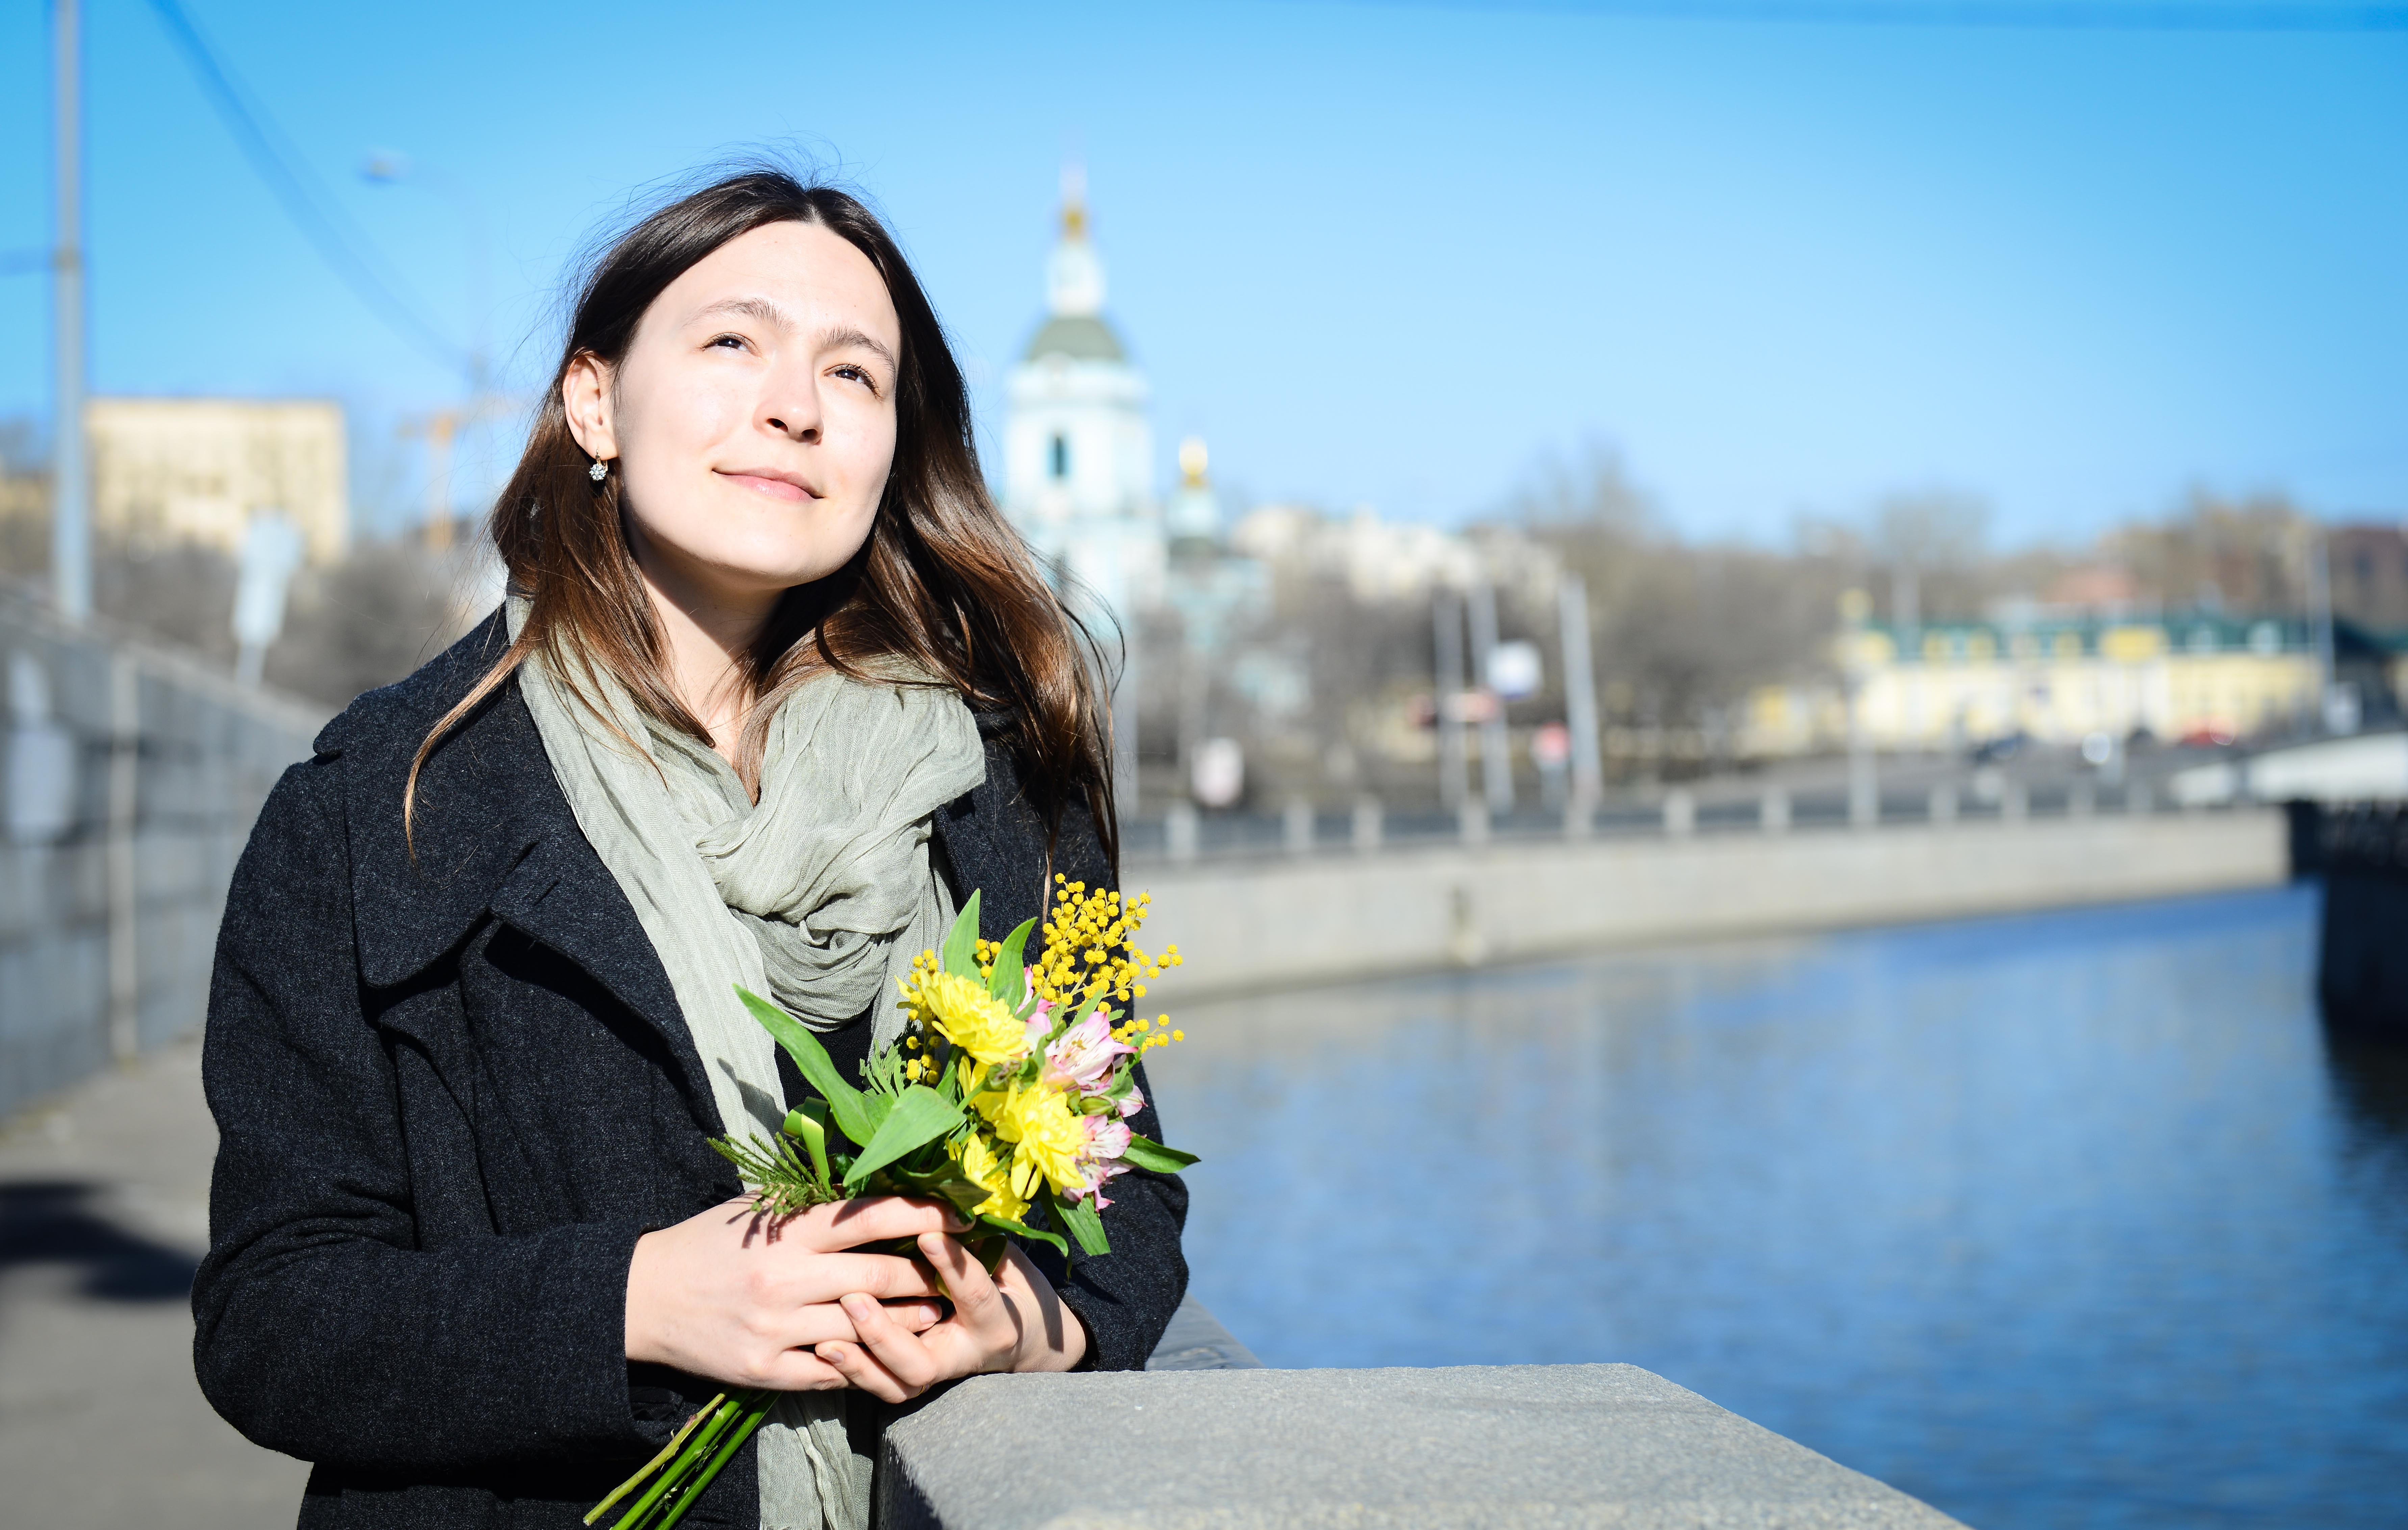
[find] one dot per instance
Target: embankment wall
(1264, 922)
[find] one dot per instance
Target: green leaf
(1040, 1234)
(941, 1185)
(1009, 980)
(809, 1125)
(845, 1102)
(1144, 1152)
(960, 956)
(919, 1116)
(1079, 1219)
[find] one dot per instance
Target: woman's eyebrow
(750, 308)
(837, 339)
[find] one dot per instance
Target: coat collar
(492, 834)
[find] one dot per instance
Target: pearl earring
(599, 471)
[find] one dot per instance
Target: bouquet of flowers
(1008, 1094)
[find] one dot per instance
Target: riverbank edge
(1262, 925)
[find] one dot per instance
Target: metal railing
(1368, 826)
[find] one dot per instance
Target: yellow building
(1944, 685)
(167, 471)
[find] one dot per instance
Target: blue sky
(1373, 253)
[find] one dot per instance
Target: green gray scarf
(818, 897)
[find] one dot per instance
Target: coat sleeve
(323, 1330)
(1126, 1299)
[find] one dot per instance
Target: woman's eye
(858, 374)
(735, 342)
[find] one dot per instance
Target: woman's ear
(585, 397)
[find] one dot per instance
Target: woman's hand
(726, 1296)
(1012, 1322)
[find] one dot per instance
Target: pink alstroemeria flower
(1086, 1056)
(1132, 1102)
(1041, 1020)
(1099, 1160)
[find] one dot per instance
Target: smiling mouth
(773, 485)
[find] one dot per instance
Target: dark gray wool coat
(452, 1096)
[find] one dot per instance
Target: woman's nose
(791, 408)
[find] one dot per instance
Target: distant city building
(1381, 560)
(1213, 592)
(197, 470)
(1078, 450)
(2369, 567)
(2202, 676)
(1194, 519)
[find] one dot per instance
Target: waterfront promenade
(103, 1215)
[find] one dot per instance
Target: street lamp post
(70, 469)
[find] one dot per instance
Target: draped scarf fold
(819, 895)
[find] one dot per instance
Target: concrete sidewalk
(104, 1196)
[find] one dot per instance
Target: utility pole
(440, 428)
(70, 482)
(1579, 690)
(1453, 772)
(2320, 624)
(1495, 762)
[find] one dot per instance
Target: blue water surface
(2064, 1220)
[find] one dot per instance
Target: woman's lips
(771, 485)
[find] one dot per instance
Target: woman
(776, 689)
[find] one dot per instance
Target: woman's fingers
(915, 1316)
(801, 1370)
(875, 1219)
(979, 1309)
(829, 1276)
(902, 1354)
(823, 1321)
(862, 1370)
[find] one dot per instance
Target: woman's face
(754, 415)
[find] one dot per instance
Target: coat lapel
(492, 836)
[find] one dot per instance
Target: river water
(2064, 1220)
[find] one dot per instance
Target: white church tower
(1078, 452)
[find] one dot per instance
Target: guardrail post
(1772, 810)
(1471, 820)
(1368, 824)
(1179, 831)
(1580, 815)
(124, 783)
(1295, 826)
(1864, 796)
(1679, 813)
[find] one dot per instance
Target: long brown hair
(943, 580)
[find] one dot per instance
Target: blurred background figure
(1552, 488)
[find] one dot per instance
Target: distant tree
(2243, 555)
(180, 593)
(1931, 545)
(1683, 632)
(366, 621)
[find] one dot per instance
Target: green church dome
(1079, 337)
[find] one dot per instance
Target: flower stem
(734, 1442)
(656, 1463)
(695, 1447)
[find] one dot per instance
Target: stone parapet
(1255, 925)
(1297, 1449)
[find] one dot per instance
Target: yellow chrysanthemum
(1045, 1134)
(981, 1024)
(980, 1167)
